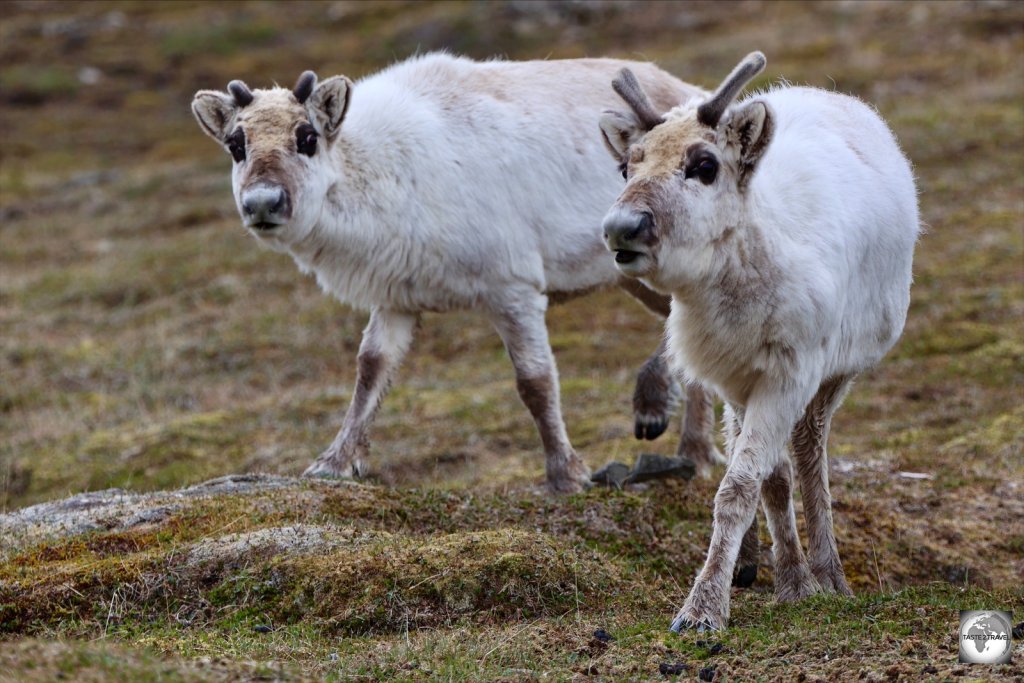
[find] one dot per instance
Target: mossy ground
(148, 344)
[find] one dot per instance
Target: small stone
(263, 628)
(929, 670)
(1018, 630)
(603, 635)
(613, 474)
(667, 669)
(652, 466)
(716, 648)
(707, 673)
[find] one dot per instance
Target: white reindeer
(438, 184)
(784, 227)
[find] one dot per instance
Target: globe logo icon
(985, 637)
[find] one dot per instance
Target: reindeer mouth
(625, 256)
(264, 226)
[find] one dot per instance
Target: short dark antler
(304, 86)
(240, 91)
(628, 88)
(710, 113)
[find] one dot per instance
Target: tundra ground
(149, 344)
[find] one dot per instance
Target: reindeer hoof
(744, 577)
(650, 427)
(681, 623)
(655, 399)
(328, 468)
(568, 485)
(567, 473)
(833, 581)
(702, 452)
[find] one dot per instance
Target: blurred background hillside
(148, 342)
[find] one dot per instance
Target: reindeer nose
(623, 227)
(265, 206)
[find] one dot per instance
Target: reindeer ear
(328, 104)
(215, 112)
(751, 128)
(620, 131)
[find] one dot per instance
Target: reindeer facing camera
(783, 226)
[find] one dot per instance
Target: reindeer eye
(305, 139)
(704, 168)
(624, 170)
(236, 145)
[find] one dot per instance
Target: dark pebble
(716, 648)
(929, 670)
(262, 628)
(666, 669)
(1018, 630)
(707, 673)
(701, 643)
(603, 635)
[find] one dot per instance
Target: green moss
(219, 39)
(956, 337)
(166, 455)
(995, 446)
(36, 85)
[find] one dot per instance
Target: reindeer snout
(266, 206)
(630, 234)
(624, 228)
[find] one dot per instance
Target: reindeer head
(278, 139)
(687, 174)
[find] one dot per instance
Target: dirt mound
(115, 556)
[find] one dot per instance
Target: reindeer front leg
(521, 326)
(759, 451)
(386, 340)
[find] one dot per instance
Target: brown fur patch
(664, 148)
(269, 123)
(538, 395)
(368, 369)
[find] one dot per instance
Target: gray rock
(612, 474)
(652, 466)
(119, 510)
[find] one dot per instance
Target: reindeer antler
(304, 86)
(240, 91)
(628, 88)
(710, 113)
